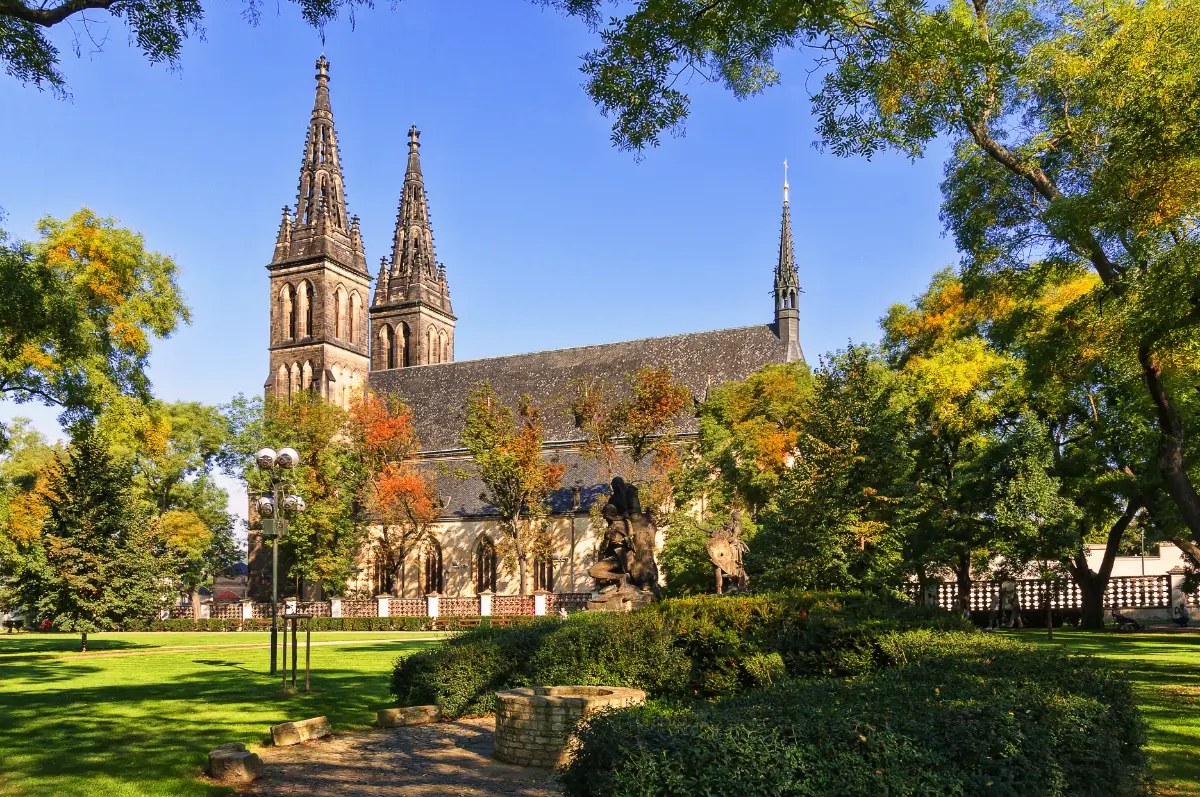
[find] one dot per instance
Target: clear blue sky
(550, 236)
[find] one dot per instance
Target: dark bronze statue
(626, 570)
(727, 551)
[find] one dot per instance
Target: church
(332, 335)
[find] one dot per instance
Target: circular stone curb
(535, 725)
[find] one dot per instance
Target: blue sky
(550, 236)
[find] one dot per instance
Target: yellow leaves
(184, 531)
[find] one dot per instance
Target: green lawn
(1165, 668)
(141, 724)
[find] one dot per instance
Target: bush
(703, 646)
(957, 714)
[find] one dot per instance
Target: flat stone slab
(408, 715)
(301, 731)
(445, 759)
(233, 763)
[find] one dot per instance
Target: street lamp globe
(265, 507)
(294, 503)
(288, 458)
(265, 458)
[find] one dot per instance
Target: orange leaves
(657, 398)
(401, 494)
(383, 428)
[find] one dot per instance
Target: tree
(1073, 126)
(397, 493)
(506, 449)
(24, 467)
(77, 313)
(834, 520)
(159, 29)
(94, 564)
(635, 428)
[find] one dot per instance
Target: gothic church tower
(787, 284)
(319, 277)
(412, 322)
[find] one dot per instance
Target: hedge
(955, 714)
(681, 647)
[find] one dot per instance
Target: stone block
(233, 763)
(409, 715)
(296, 732)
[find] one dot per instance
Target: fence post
(205, 610)
(382, 602)
(539, 604)
(248, 609)
(335, 607)
(1175, 595)
(485, 604)
(431, 605)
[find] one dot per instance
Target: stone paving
(447, 758)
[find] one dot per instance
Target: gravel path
(447, 758)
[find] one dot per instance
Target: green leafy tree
(1073, 128)
(95, 563)
(835, 519)
(78, 311)
(506, 453)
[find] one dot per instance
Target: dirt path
(448, 758)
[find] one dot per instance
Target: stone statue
(727, 551)
(626, 570)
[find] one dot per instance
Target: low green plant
(954, 714)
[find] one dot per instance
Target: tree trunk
(83, 642)
(521, 574)
(195, 596)
(963, 575)
(1093, 584)
(1170, 443)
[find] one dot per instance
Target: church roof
(700, 360)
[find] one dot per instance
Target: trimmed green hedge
(955, 714)
(704, 646)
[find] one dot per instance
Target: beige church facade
(331, 334)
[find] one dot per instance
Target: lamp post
(274, 519)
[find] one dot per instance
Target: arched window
(429, 353)
(281, 382)
(355, 306)
(339, 313)
(387, 348)
(443, 352)
(485, 566)
(383, 576)
(294, 385)
(305, 299)
(431, 572)
(406, 344)
(287, 312)
(306, 376)
(543, 573)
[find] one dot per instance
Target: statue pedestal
(621, 599)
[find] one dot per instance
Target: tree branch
(47, 17)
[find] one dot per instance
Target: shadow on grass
(18, 644)
(147, 736)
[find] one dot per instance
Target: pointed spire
(414, 273)
(322, 225)
(787, 282)
(381, 282)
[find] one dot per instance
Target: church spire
(322, 225)
(414, 272)
(787, 282)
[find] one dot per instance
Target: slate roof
(700, 360)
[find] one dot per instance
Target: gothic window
(543, 573)
(287, 311)
(355, 307)
(429, 345)
(431, 575)
(442, 352)
(281, 382)
(294, 385)
(339, 313)
(304, 297)
(406, 344)
(306, 376)
(485, 566)
(387, 347)
(384, 576)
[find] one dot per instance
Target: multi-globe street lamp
(274, 513)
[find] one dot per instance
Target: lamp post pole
(274, 523)
(274, 580)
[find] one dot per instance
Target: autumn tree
(79, 309)
(93, 564)
(506, 449)
(401, 497)
(1073, 136)
(633, 427)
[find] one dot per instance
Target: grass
(112, 724)
(1164, 668)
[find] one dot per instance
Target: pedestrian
(1179, 615)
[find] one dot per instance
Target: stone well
(534, 726)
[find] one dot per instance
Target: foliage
(159, 29)
(833, 522)
(684, 558)
(506, 450)
(679, 647)
(94, 564)
(960, 715)
(78, 310)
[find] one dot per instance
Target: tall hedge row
(956, 714)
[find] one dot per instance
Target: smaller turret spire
(787, 282)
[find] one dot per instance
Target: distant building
(327, 338)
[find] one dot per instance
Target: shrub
(958, 714)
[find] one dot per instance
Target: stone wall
(535, 725)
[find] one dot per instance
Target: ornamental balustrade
(512, 605)
(501, 606)
(360, 608)
(571, 601)
(408, 607)
(1123, 592)
(458, 607)
(226, 610)
(315, 608)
